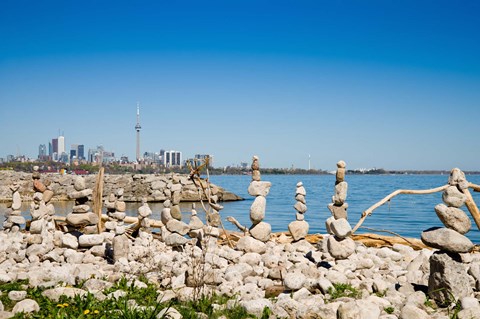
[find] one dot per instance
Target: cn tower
(137, 128)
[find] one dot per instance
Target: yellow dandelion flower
(65, 304)
(86, 312)
(96, 312)
(60, 305)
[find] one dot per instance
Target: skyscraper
(54, 145)
(81, 152)
(137, 128)
(61, 144)
(42, 151)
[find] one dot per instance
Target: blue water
(407, 215)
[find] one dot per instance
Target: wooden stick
(98, 198)
(475, 187)
(370, 210)
(472, 207)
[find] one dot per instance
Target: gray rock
(176, 212)
(261, 231)
(328, 224)
(410, 311)
(453, 197)
(340, 248)
(300, 198)
(251, 245)
(26, 306)
(16, 220)
(469, 302)
(340, 193)
(298, 229)
(300, 207)
(256, 306)
(294, 280)
(144, 211)
(54, 294)
(120, 206)
(258, 188)
(79, 184)
(195, 223)
(341, 228)
(121, 247)
(90, 240)
(338, 211)
(446, 239)
(169, 313)
(299, 216)
(358, 309)
(453, 218)
(17, 295)
(17, 201)
(80, 209)
(37, 226)
(69, 241)
(47, 195)
(78, 220)
(165, 215)
(257, 210)
(457, 178)
(447, 278)
(175, 239)
(470, 313)
(80, 194)
(176, 226)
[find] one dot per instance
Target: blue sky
(392, 84)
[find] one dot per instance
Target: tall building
(200, 159)
(137, 128)
(54, 145)
(172, 158)
(50, 150)
(74, 151)
(42, 152)
(61, 144)
(81, 152)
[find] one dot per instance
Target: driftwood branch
(475, 187)
(128, 220)
(370, 210)
(390, 232)
(472, 207)
(98, 198)
(237, 224)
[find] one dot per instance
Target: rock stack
(116, 208)
(299, 228)
(195, 224)
(259, 229)
(14, 216)
(447, 274)
(81, 217)
(144, 213)
(175, 197)
(340, 245)
(174, 229)
(41, 210)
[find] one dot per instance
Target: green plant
(389, 310)
(343, 290)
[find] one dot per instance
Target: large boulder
(446, 239)
(340, 248)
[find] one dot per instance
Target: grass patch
(389, 310)
(343, 290)
(137, 303)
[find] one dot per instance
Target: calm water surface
(407, 215)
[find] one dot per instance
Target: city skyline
(377, 84)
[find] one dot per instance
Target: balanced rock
(17, 201)
(300, 207)
(338, 211)
(341, 228)
(340, 248)
(261, 231)
(298, 229)
(340, 193)
(453, 197)
(446, 239)
(249, 244)
(79, 184)
(79, 194)
(77, 220)
(175, 212)
(453, 218)
(259, 188)
(176, 226)
(257, 210)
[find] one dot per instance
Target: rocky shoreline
(293, 279)
(153, 187)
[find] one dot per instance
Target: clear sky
(391, 84)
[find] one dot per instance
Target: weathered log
(97, 198)
(128, 220)
(472, 207)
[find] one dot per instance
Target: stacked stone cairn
(259, 230)
(448, 275)
(13, 216)
(173, 229)
(195, 224)
(299, 228)
(81, 218)
(116, 208)
(144, 212)
(339, 245)
(41, 210)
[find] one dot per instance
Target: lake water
(407, 215)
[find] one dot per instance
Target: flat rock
(90, 240)
(175, 239)
(300, 207)
(258, 188)
(453, 218)
(261, 231)
(69, 241)
(294, 280)
(446, 239)
(338, 211)
(26, 306)
(80, 194)
(176, 226)
(54, 294)
(77, 220)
